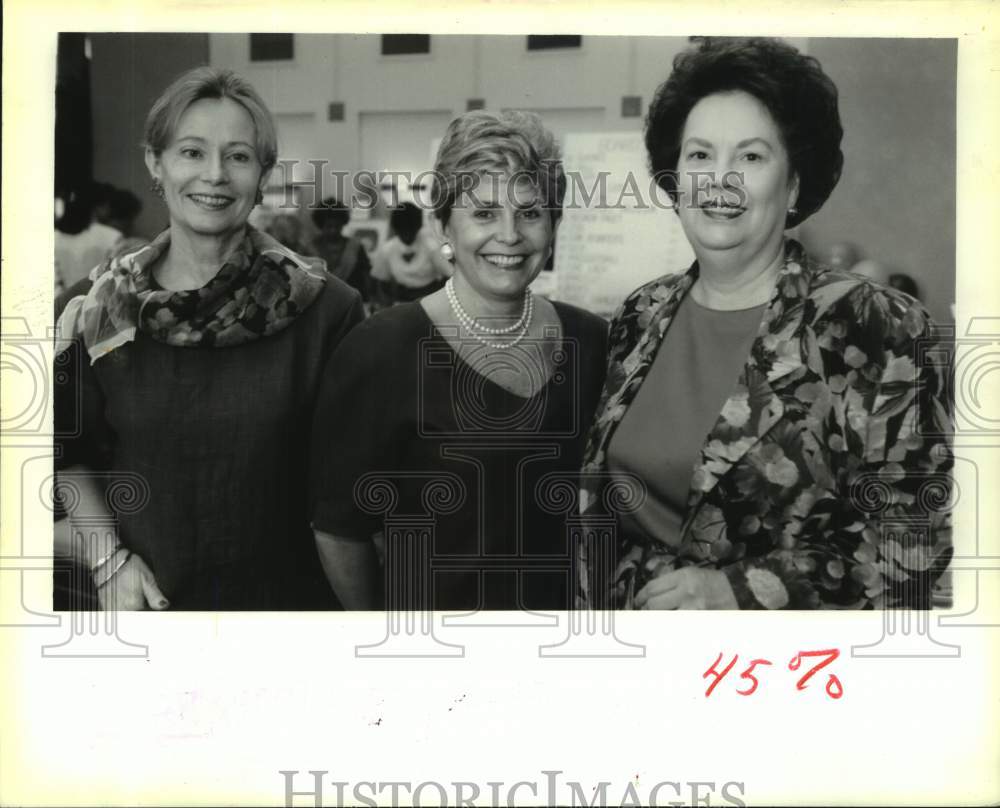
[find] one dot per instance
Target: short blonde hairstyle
(210, 82)
(508, 143)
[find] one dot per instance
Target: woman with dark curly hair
(759, 398)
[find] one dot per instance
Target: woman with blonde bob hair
(491, 390)
(194, 363)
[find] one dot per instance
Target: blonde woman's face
(210, 170)
(502, 236)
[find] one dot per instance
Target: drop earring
(259, 199)
(157, 187)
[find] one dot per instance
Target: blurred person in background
(345, 256)
(122, 210)
(841, 255)
(904, 283)
(194, 365)
(81, 241)
(872, 270)
(752, 392)
(525, 371)
(409, 265)
(286, 229)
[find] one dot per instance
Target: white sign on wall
(617, 231)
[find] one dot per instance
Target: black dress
(463, 459)
(221, 437)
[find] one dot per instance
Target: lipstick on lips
(720, 210)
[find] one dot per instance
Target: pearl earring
(448, 252)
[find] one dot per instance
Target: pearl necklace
(470, 325)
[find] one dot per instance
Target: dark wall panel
(128, 72)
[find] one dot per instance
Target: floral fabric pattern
(259, 291)
(833, 433)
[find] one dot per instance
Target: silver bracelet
(114, 572)
(106, 558)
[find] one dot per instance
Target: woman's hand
(132, 588)
(688, 588)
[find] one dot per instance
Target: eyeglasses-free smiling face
(502, 236)
(210, 170)
(728, 136)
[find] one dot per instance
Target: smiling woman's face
(502, 236)
(735, 177)
(210, 170)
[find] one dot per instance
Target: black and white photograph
(497, 389)
(414, 435)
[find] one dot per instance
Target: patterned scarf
(260, 290)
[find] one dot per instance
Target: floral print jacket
(825, 480)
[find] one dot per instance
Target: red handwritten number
(713, 671)
(748, 674)
(834, 689)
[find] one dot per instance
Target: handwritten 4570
(834, 689)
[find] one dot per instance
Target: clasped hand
(132, 588)
(687, 588)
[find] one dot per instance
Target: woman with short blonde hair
(194, 363)
(482, 362)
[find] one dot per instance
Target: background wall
(896, 199)
(570, 88)
(128, 72)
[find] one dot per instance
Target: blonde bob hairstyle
(210, 82)
(512, 143)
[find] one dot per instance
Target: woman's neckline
(460, 358)
(745, 310)
(158, 264)
(760, 287)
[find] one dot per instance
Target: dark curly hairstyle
(799, 95)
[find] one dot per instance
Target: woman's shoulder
(387, 342)
(641, 307)
(78, 289)
(335, 304)
(842, 300)
(337, 295)
(389, 329)
(580, 322)
(657, 289)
